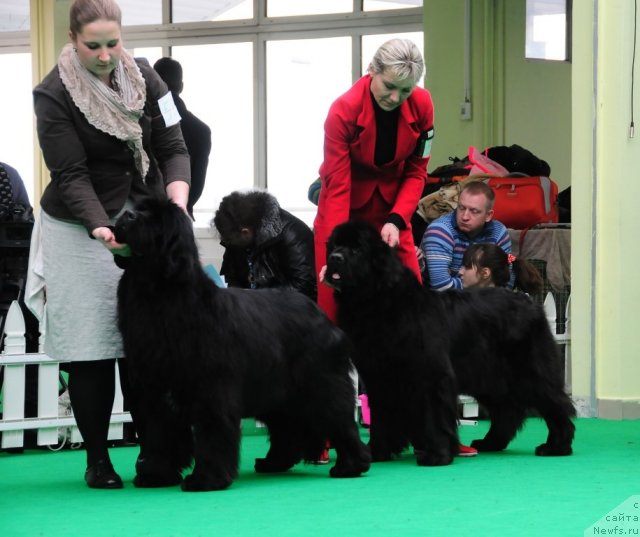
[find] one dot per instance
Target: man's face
(472, 213)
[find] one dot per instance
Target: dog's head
(358, 258)
(159, 235)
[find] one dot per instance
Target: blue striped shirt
(443, 245)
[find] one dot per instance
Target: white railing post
(551, 313)
(14, 376)
(48, 375)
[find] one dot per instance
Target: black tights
(91, 391)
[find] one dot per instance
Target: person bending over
(377, 143)
(265, 246)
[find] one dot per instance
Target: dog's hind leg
(217, 446)
(506, 419)
(435, 437)
(386, 436)
(284, 450)
(557, 414)
(353, 456)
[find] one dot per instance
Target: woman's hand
(322, 274)
(390, 234)
(108, 240)
(178, 192)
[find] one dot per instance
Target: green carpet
(513, 493)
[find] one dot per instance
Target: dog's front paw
(381, 456)
(433, 458)
(270, 466)
(351, 466)
(545, 450)
(487, 447)
(202, 483)
(154, 474)
(378, 453)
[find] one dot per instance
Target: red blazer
(350, 177)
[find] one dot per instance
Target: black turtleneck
(386, 134)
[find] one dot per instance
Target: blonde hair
(401, 57)
(83, 12)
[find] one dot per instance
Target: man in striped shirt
(447, 237)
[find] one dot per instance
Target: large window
(16, 134)
(14, 16)
(260, 73)
(303, 77)
(218, 88)
(16, 117)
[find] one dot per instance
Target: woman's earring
(75, 49)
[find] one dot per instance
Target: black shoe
(101, 475)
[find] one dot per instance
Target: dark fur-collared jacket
(282, 255)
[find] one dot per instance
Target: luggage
(522, 202)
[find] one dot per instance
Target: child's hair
(491, 256)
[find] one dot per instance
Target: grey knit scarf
(115, 112)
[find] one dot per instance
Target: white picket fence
(48, 422)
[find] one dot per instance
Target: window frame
(261, 29)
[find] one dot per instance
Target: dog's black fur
(498, 343)
(201, 358)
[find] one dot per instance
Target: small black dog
(498, 343)
(201, 358)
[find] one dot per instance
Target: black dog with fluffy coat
(498, 342)
(201, 358)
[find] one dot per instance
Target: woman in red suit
(376, 149)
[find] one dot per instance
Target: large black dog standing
(498, 342)
(201, 358)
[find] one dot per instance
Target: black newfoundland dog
(201, 358)
(498, 343)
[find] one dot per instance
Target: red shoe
(466, 451)
(324, 458)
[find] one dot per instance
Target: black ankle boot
(101, 475)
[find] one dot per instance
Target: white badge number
(168, 110)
